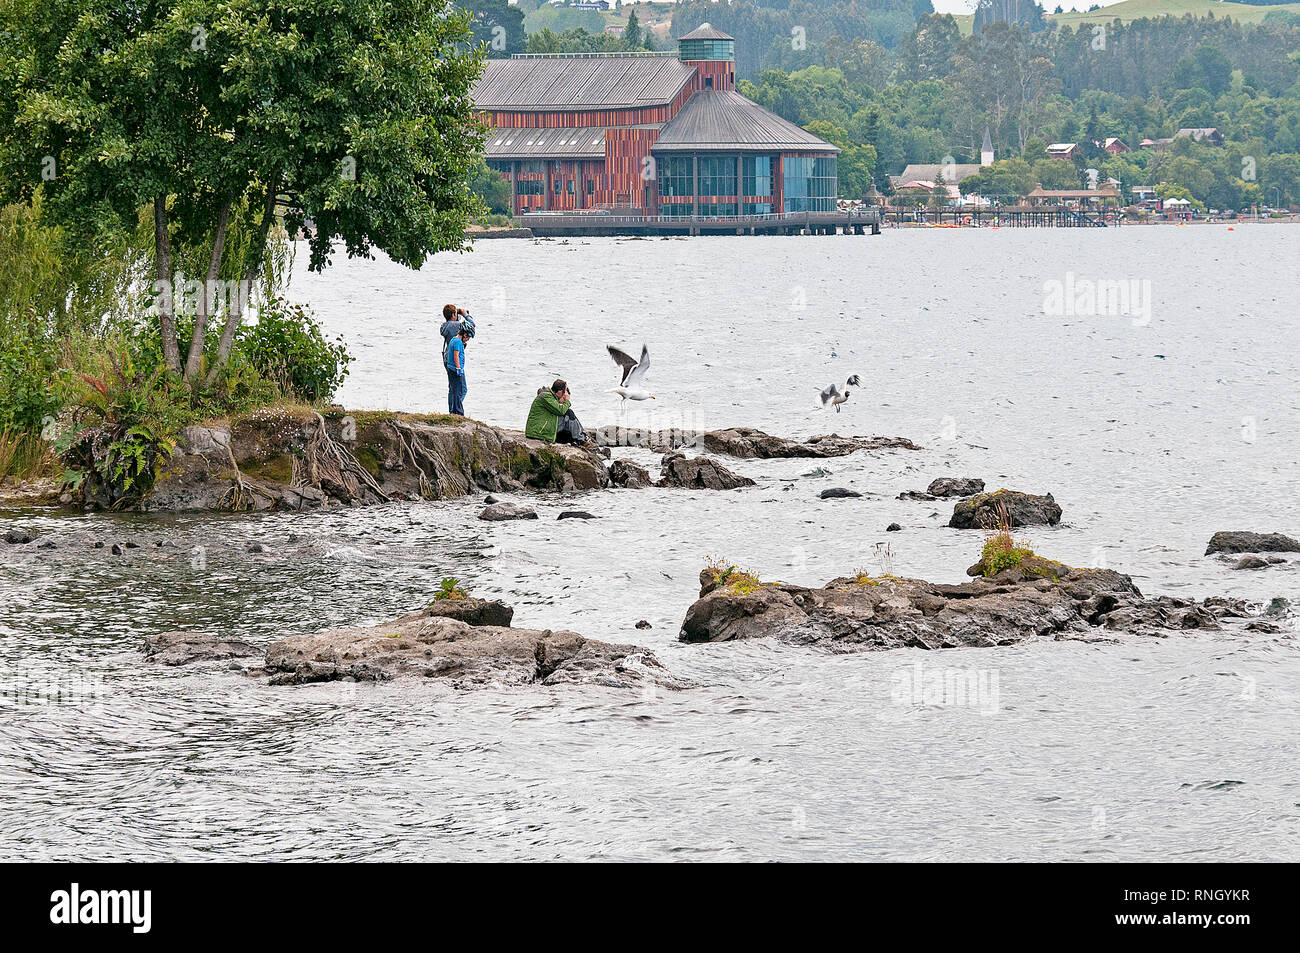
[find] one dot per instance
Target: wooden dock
(1006, 216)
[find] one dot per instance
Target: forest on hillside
(891, 82)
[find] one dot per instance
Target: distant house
(599, 5)
(614, 30)
(926, 174)
(1115, 146)
(1147, 144)
(1063, 150)
(1144, 196)
(1207, 134)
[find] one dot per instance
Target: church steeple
(986, 153)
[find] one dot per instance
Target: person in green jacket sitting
(551, 417)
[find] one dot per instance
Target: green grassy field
(1137, 9)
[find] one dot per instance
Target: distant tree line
(931, 98)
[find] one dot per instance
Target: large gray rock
(1023, 509)
(1236, 541)
(19, 537)
(864, 613)
(955, 486)
(471, 610)
(426, 646)
(699, 473)
(627, 474)
(496, 512)
(182, 648)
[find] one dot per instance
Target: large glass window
(529, 187)
(676, 176)
(756, 175)
(717, 209)
(717, 175)
(677, 210)
(690, 50)
(810, 183)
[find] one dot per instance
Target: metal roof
(587, 142)
(706, 31)
(580, 83)
(724, 120)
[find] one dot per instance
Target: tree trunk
(164, 292)
(251, 267)
(195, 359)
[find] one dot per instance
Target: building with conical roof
(660, 133)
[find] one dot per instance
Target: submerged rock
(838, 493)
(434, 646)
(893, 528)
(1236, 541)
(19, 537)
(627, 474)
(507, 511)
(699, 473)
(577, 515)
(885, 612)
(1023, 509)
(181, 648)
(1252, 562)
(745, 442)
(955, 486)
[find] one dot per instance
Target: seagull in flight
(833, 396)
(633, 371)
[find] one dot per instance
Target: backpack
(450, 329)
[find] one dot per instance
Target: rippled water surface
(1151, 434)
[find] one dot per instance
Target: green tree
(632, 33)
(225, 117)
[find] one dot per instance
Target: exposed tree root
(332, 467)
(447, 482)
(241, 494)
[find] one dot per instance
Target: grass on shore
(25, 456)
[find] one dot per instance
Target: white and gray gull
(633, 371)
(833, 396)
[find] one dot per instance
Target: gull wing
(634, 376)
(623, 360)
(829, 394)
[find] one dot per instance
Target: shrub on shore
(1001, 549)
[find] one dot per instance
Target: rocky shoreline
(294, 458)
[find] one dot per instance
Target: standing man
(455, 360)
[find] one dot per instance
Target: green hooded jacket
(544, 417)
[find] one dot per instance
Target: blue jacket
(454, 348)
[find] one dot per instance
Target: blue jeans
(456, 391)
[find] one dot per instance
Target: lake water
(1152, 428)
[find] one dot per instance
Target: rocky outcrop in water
(472, 610)
(867, 613)
(499, 512)
(699, 473)
(428, 645)
(627, 474)
(1023, 509)
(297, 459)
(745, 442)
(955, 486)
(1236, 541)
(182, 648)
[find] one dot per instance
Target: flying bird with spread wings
(633, 371)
